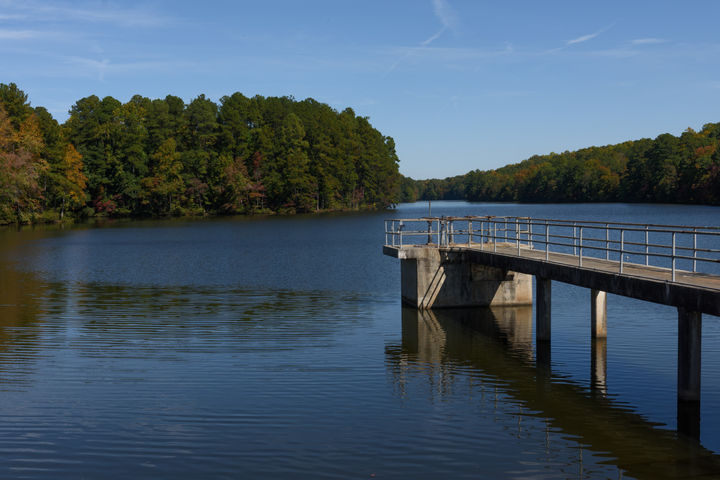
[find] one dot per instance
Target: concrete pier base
(437, 278)
(689, 347)
(543, 294)
(598, 314)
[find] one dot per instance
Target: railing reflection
(498, 342)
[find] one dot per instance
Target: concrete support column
(688, 392)
(689, 346)
(542, 309)
(598, 314)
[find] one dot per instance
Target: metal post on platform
(517, 235)
(400, 229)
(647, 246)
(622, 247)
(574, 236)
(494, 236)
(547, 241)
(673, 256)
(580, 249)
(438, 233)
(429, 222)
(482, 235)
(694, 249)
(607, 241)
(470, 232)
(530, 237)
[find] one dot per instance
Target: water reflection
(117, 320)
(496, 343)
(20, 307)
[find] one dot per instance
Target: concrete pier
(543, 292)
(598, 314)
(454, 269)
(433, 278)
(689, 348)
(689, 372)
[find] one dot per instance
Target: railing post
(392, 230)
(400, 229)
(506, 230)
(647, 246)
(673, 256)
(580, 249)
(607, 241)
(517, 234)
(482, 235)
(694, 249)
(438, 233)
(574, 237)
(429, 222)
(494, 236)
(547, 241)
(622, 248)
(530, 236)
(469, 232)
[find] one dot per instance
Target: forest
(668, 169)
(165, 157)
(278, 155)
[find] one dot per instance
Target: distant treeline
(164, 157)
(668, 169)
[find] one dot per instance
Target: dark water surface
(278, 348)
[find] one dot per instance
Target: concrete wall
(434, 278)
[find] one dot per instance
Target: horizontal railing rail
(678, 248)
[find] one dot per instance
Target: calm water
(278, 348)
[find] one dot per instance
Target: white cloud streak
(100, 68)
(431, 39)
(448, 20)
(590, 36)
(445, 13)
(457, 56)
(582, 39)
(19, 34)
(647, 41)
(95, 13)
(4, 17)
(447, 17)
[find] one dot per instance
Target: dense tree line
(668, 169)
(165, 157)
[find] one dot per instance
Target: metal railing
(674, 247)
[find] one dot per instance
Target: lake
(278, 348)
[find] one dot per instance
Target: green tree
(165, 184)
(70, 181)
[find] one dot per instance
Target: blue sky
(459, 84)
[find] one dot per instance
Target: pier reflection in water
(497, 344)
